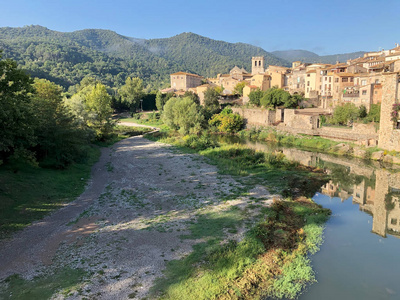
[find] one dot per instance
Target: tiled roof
(187, 74)
(342, 74)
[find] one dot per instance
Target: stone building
(389, 131)
(257, 65)
(184, 81)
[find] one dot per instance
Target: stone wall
(256, 117)
(305, 122)
(389, 137)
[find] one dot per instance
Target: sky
(323, 27)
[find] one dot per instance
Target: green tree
(275, 97)
(98, 105)
(193, 96)
(227, 121)
(238, 90)
(183, 115)
(59, 140)
(16, 114)
(211, 104)
(345, 114)
(362, 112)
(159, 101)
(131, 92)
(255, 97)
(374, 114)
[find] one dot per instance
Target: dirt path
(128, 223)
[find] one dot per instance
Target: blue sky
(324, 27)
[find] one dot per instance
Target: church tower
(257, 65)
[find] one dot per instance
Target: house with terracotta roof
(184, 81)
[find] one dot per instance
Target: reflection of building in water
(371, 197)
(370, 186)
(334, 190)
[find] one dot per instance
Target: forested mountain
(66, 58)
(311, 57)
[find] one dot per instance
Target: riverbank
(30, 192)
(271, 260)
(312, 143)
(157, 221)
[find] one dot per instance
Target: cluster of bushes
(349, 113)
(187, 116)
(274, 97)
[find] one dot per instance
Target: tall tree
(98, 105)
(16, 113)
(131, 92)
(59, 140)
(211, 104)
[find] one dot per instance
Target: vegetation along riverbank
(271, 259)
(320, 144)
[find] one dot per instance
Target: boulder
(361, 153)
(377, 155)
(343, 148)
(391, 159)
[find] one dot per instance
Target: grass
(149, 122)
(42, 287)
(29, 193)
(122, 132)
(271, 261)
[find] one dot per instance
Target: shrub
(227, 121)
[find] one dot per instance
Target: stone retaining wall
(297, 123)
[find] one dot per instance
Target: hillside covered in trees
(311, 57)
(66, 58)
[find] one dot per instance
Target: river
(360, 256)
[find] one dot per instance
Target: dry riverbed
(130, 221)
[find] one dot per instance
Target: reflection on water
(360, 256)
(375, 188)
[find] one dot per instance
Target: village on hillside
(371, 79)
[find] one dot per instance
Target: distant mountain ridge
(66, 58)
(311, 57)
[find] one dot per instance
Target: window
(351, 79)
(393, 221)
(345, 79)
(364, 92)
(308, 83)
(320, 80)
(308, 75)
(336, 79)
(376, 81)
(255, 63)
(363, 82)
(330, 79)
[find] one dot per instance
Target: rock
(377, 155)
(343, 148)
(361, 153)
(391, 159)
